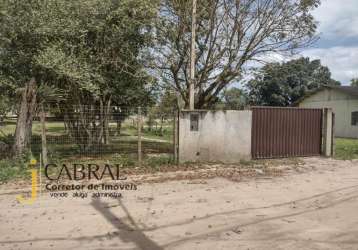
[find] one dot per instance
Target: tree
(281, 84)
(166, 107)
(5, 107)
(88, 48)
(354, 82)
(111, 46)
(163, 110)
(230, 35)
(234, 99)
(46, 96)
(24, 32)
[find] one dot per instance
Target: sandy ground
(314, 206)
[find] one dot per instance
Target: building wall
(222, 136)
(342, 105)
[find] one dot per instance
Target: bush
(13, 169)
(124, 160)
(158, 161)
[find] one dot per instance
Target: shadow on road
(127, 233)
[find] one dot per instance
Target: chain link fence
(124, 135)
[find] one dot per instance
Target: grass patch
(63, 149)
(166, 134)
(157, 161)
(346, 149)
(7, 130)
(12, 170)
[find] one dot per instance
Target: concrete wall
(342, 105)
(223, 136)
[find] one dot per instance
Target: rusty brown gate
(286, 132)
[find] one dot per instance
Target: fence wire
(110, 134)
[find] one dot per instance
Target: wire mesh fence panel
(102, 134)
(7, 130)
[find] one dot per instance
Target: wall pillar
(328, 134)
(215, 136)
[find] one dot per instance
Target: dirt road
(312, 207)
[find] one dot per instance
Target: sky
(337, 47)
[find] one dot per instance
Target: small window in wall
(355, 118)
(194, 122)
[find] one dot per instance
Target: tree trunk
(150, 125)
(119, 127)
(43, 136)
(65, 118)
(161, 126)
(23, 130)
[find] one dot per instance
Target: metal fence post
(175, 135)
(139, 136)
(43, 135)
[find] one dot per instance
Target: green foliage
(281, 84)
(230, 35)
(167, 104)
(88, 48)
(5, 107)
(124, 160)
(346, 149)
(354, 82)
(233, 98)
(84, 53)
(157, 161)
(162, 112)
(13, 169)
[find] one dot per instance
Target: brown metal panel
(285, 132)
(254, 135)
(302, 130)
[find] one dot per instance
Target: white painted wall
(342, 105)
(223, 136)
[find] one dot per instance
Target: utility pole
(192, 59)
